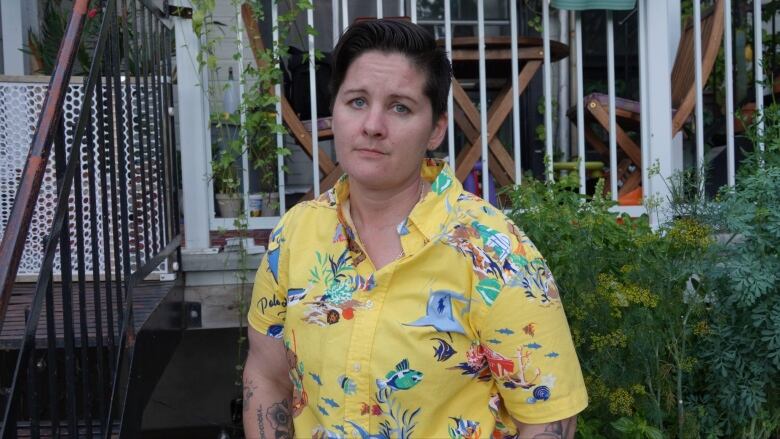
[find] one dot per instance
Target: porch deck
(147, 296)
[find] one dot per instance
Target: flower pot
(256, 203)
(228, 205)
(270, 204)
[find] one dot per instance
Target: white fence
(658, 24)
(21, 100)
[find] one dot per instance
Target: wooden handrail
(15, 234)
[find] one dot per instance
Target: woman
(398, 305)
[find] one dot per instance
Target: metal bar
(758, 57)
(483, 102)
(315, 138)
(104, 195)
(121, 146)
(18, 225)
(516, 146)
(334, 16)
(643, 97)
(156, 102)
(344, 15)
(580, 101)
(113, 185)
(564, 136)
(96, 297)
(51, 350)
(60, 158)
(173, 180)
(148, 111)
(33, 395)
(278, 92)
(142, 139)
(413, 10)
(612, 125)
(86, 394)
(241, 109)
(379, 11)
(729, 84)
(699, 97)
(130, 127)
(488, 22)
(450, 106)
(548, 139)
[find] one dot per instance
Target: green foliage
(678, 328)
(630, 306)
(44, 46)
(741, 351)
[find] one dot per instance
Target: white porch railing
(654, 56)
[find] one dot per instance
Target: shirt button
(356, 367)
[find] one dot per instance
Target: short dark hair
(394, 35)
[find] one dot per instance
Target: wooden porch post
(666, 153)
(194, 134)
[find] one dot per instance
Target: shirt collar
(431, 214)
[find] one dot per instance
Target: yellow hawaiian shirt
(463, 330)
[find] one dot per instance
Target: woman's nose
(374, 123)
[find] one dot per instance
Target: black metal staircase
(81, 349)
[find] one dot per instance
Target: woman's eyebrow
(400, 96)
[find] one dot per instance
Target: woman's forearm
(267, 405)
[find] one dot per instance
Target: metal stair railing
(117, 177)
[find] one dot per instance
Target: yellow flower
(701, 328)
(621, 402)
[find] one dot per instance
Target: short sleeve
(269, 299)
(528, 345)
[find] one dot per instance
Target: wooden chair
(628, 112)
(300, 130)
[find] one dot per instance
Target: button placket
(359, 352)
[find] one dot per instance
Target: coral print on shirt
(454, 339)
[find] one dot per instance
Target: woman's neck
(379, 209)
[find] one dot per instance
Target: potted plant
(226, 169)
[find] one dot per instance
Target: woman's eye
(358, 102)
(399, 108)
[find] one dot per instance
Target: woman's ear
(439, 130)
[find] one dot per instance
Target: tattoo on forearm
(556, 430)
(249, 392)
(260, 422)
(280, 419)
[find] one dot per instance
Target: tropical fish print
(465, 429)
(442, 351)
(402, 378)
(363, 284)
(330, 402)
(530, 329)
(315, 378)
(295, 295)
(476, 365)
(505, 331)
(497, 242)
(347, 385)
(439, 312)
(552, 354)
